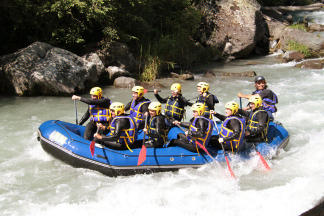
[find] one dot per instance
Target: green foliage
(299, 26)
(163, 29)
(294, 45)
(151, 69)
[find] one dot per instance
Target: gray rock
(185, 76)
(311, 64)
(232, 26)
(292, 56)
(41, 69)
(283, 34)
(124, 82)
(115, 72)
(315, 27)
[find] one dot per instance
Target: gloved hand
(220, 140)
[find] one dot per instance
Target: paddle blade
(92, 147)
(229, 167)
(264, 161)
(142, 155)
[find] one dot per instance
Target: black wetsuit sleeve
(121, 124)
(220, 116)
(262, 118)
(103, 102)
(202, 125)
(210, 102)
(234, 125)
(144, 108)
(85, 117)
(160, 99)
(185, 102)
(127, 107)
(243, 113)
(185, 124)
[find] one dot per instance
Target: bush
(294, 45)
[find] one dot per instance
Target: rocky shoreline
(237, 29)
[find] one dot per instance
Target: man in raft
(157, 126)
(174, 104)
(122, 129)
(269, 98)
(258, 120)
(208, 99)
(98, 111)
(200, 130)
(138, 106)
(231, 135)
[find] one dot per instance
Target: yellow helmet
(96, 91)
(156, 106)
(118, 108)
(139, 90)
(257, 100)
(199, 108)
(232, 106)
(203, 86)
(176, 87)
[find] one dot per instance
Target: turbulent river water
(34, 183)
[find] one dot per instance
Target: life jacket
(201, 99)
(151, 127)
(226, 132)
(135, 111)
(208, 132)
(268, 103)
(127, 136)
(172, 109)
(253, 123)
(99, 114)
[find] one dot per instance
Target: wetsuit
(200, 129)
(157, 128)
(174, 108)
(257, 124)
(269, 99)
(137, 109)
(232, 131)
(209, 101)
(122, 135)
(95, 106)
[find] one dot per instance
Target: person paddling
(98, 111)
(157, 126)
(232, 129)
(208, 99)
(269, 98)
(122, 129)
(200, 130)
(138, 106)
(174, 107)
(258, 120)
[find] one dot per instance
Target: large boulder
(41, 69)
(234, 27)
(118, 55)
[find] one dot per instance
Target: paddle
(145, 91)
(92, 144)
(76, 112)
(264, 162)
(227, 161)
(142, 154)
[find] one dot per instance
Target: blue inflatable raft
(65, 141)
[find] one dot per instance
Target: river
(34, 183)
